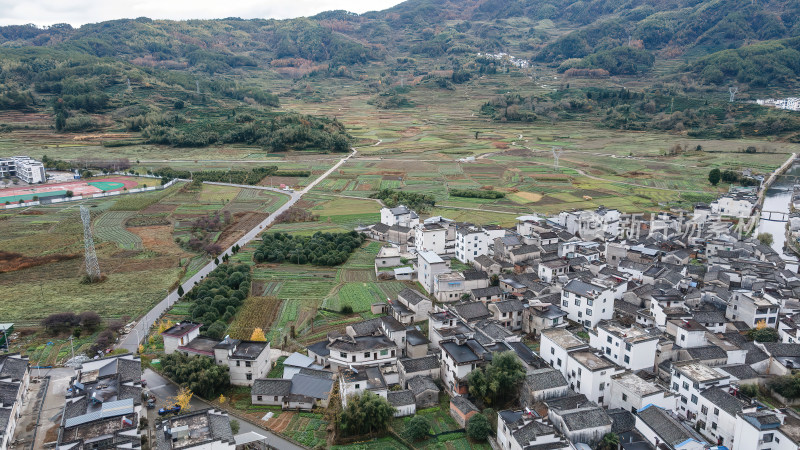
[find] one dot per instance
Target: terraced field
(110, 227)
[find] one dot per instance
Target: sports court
(78, 188)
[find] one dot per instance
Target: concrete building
(689, 379)
(543, 384)
(459, 358)
(247, 360)
(430, 237)
(587, 303)
(632, 393)
(399, 215)
(590, 374)
(556, 343)
(429, 266)
(751, 309)
(717, 417)
(631, 347)
(179, 335)
(25, 168)
(373, 351)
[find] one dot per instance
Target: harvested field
(526, 197)
(158, 238)
(257, 312)
(10, 262)
(243, 222)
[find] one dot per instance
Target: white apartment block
(429, 266)
(430, 237)
(26, 169)
(556, 343)
(590, 374)
(471, 242)
(689, 380)
(631, 347)
(247, 360)
(632, 393)
(587, 303)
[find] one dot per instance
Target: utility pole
(72, 347)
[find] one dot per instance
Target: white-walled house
(632, 393)
(374, 351)
(247, 360)
(430, 237)
(590, 374)
(459, 358)
(687, 333)
(429, 266)
(587, 303)
(411, 306)
(761, 430)
(519, 430)
(556, 343)
(631, 347)
(399, 215)
(717, 417)
(355, 381)
(179, 335)
(471, 242)
(689, 379)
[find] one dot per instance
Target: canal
(779, 198)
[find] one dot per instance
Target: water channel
(779, 198)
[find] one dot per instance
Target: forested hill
(71, 72)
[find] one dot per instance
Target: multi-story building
(399, 215)
(430, 237)
(247, 360)
(631, 347)
(459, 358)
(752, 309)
(691, 378)
(26, 169)
(587, 303)
(429, 266)
(347, 351)
(632, 393)
(556, 343)
(471, 242)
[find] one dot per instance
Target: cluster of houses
(643, 327)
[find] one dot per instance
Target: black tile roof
(400, 398)
(271, 386)
(412, 365)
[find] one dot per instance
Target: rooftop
(636, 384)
(564, 338)
(181, 329)
(591, 361)
(697, 371)
(631, 334)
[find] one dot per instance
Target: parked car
(174, 410)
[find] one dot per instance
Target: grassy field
(136, 249)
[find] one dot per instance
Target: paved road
(139, 332)
(164, 389)
(51, 408)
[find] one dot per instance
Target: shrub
(418, 428)
(59, 322)
(90, 320)
(478, 428)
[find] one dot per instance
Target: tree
(183, 399)
(478, 428)
(418, 428)
(366, 414)
(258, 335)
(90, 320)
(180, 291)
(610, 442)
(765, 238)
(217, 330)
(69, 194)
(59, 322)
(714, 176)
(235, 426)
(499, 381)
(761, 333)
(199, 375)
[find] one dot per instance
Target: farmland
(135, 238)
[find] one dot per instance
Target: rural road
(133, 339)
(164, 390)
